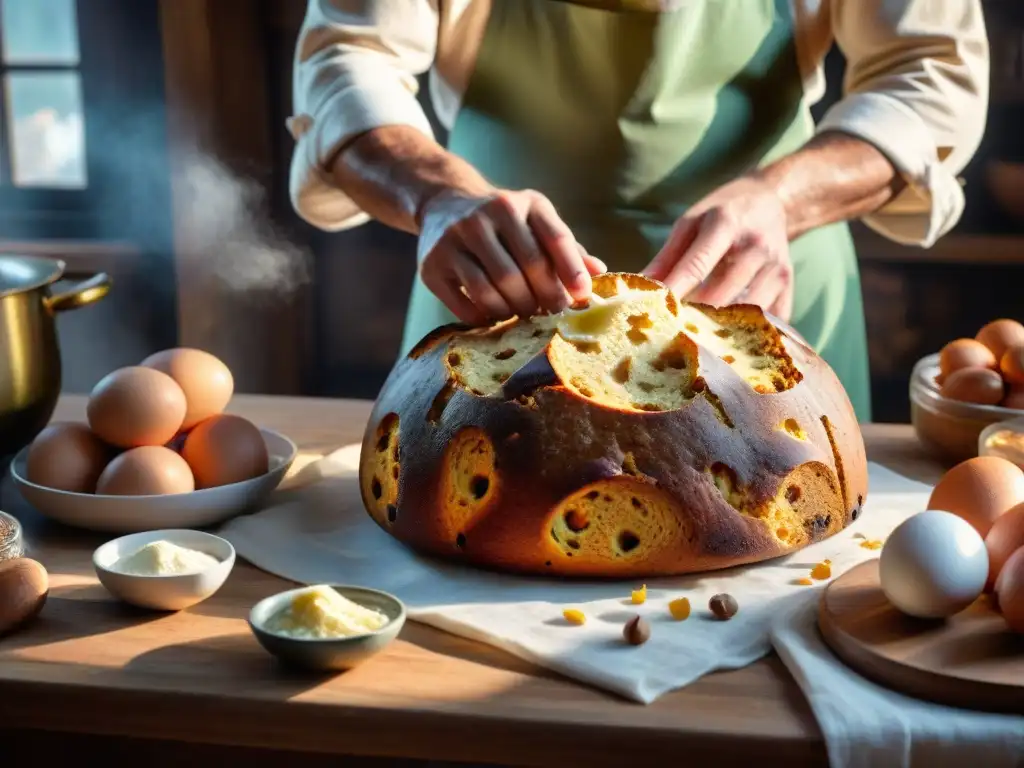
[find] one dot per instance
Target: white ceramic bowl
(164, 593)
(130, 514)
(336, 653)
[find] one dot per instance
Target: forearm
(391, 172)
(834, 177)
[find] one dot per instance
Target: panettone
(636, 436)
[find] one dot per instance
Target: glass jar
(949, 428)
(12, 543)
(1004, 439)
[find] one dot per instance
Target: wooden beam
(219, 125)
(954, 248)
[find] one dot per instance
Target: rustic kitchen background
(146, 138)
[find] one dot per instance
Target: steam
(229, 229)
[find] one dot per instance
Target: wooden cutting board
(970, 660)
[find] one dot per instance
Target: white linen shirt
(916, 87)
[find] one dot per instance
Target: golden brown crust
(552, 481)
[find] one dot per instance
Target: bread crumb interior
(633, 347)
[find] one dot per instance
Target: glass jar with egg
(968, 386)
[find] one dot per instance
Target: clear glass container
(12, 543)
(949, 428)
(1004, 439)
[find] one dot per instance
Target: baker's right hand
(508, 253)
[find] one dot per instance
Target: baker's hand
(507, 253)
(731, 248)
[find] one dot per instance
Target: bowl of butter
(327, 627)
(164, 570)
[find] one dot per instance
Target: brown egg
(225, 449)
(1014, 397)
(979, 490)
(1005, 537)
(136, 406)
(1000, 335)
(966, 353)
(1011, 364)
(67, 457)
(205, 380)
(1010, 591)
(24, 585)
(150, 470)
(974, 385)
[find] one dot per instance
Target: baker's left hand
(731, 248)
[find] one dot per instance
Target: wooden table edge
(411, 733)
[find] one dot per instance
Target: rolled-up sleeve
(916, 87)
(355, 69)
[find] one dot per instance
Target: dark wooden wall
(229, 65)
(915, 300)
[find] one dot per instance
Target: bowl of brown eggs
(968, 386)
(157, 451)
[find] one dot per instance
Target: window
(83, 145)
(43, 133)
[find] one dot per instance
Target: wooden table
(90, 665)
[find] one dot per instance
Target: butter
(591, 322)
(164, 558)
(320, 613)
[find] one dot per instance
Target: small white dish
(131, 514)
(335, 653)
(164, 593)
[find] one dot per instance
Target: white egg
(933, 565)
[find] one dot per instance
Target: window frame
(114, 61)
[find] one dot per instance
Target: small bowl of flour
(166, 570)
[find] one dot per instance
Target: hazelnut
(637, 631)
(724, 606)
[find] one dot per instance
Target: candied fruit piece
(574, 616)
(871, 544)
(639, 596)
(680, 608)
(804, 582)
(822, 570)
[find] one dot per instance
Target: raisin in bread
(635, 436)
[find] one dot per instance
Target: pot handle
(83, 294)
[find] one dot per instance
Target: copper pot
(30, 367)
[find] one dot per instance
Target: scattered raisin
(574, 616)
(680, 608)
(822, 571)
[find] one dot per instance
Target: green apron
(624, 119)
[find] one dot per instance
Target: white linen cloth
(868, 726)
(316, 531)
